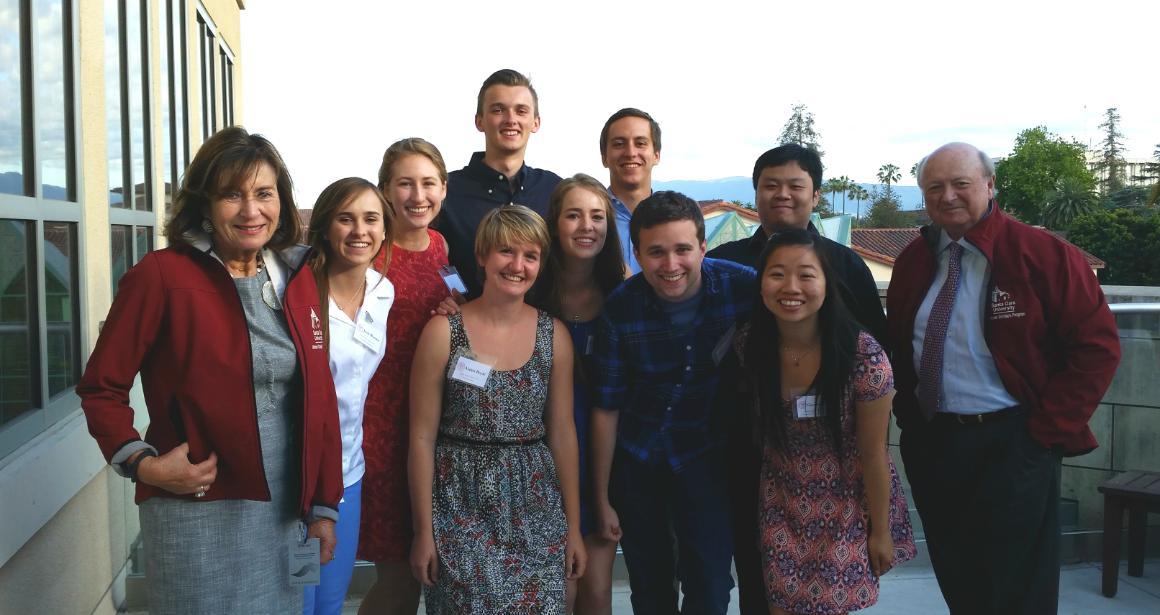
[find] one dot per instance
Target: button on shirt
(623, 216)
(663, 378)
(356, 348)
(970, 380)
(477, 189)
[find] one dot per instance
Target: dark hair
(332, 199)
(609, 266)
(839, 332)
(511, 78)
(805, 158)
(223, 163)
(661, 207)
(653, 127)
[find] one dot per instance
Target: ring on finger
(201, 491)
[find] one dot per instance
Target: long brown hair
(331, 201)
(223, 163)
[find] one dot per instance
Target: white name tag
(470, 371)
(806, 407)
(305, 567)
(451, 278)
(368, 334)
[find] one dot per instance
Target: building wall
(69, 522)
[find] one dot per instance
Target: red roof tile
(885, 244)
(716, 205)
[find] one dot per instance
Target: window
(130, 140)
(39, 219)
(174, 115)
(217, 78)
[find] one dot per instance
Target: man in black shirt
(507, 113)
(787, 184)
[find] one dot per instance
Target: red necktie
(931, 365)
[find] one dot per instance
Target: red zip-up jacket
(1046, 323)
(177, 319)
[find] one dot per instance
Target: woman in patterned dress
(413, 178)
(493, 457)
(584, 265)
(831, 511)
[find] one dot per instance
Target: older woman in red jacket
(242, 446)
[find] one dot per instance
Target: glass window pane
(134, 73)
(113, 120)
(144, 242)
(122, 252)
(60, 305)
(11, 131)
(51, 100)
(177, 97)
(166, 111)
(18, 378)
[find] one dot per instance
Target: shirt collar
(489, 176)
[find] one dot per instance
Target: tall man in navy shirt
(663, 334)
(630, 146)
(507, 112)
(787, 186)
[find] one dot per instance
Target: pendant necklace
(357, 292)
(796, 358)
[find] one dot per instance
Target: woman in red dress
(413, 177)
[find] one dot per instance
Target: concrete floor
(911, 589)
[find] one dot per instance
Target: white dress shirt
(970, 380)
(356, 348)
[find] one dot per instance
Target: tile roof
(885, 244)
(718, 205)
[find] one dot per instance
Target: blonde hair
(412, 146)
(511, 225)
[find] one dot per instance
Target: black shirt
(477, 189)
(855, 282)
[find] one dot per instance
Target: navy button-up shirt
(477, 189)
(663, 378)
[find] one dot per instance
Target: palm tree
(888, 174)
(847, 186)
(859, 194)
(832, 186)
(1070, 198)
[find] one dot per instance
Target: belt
(950, 418)
(458, 441)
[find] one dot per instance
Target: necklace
(354, 296)
(796, 358)
(240, 272)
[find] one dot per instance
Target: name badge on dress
(723, 344)
(367, 334)
(305, 563)
(470, 371)
(451, 278)
(806, 407)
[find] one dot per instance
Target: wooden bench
(1139, 494)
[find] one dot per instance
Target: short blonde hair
(511, 225)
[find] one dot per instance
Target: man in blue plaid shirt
(661, 338)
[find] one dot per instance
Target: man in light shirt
(630, 146)
(1002, 346)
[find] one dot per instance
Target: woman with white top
(349, 226)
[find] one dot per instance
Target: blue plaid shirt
(662, 378)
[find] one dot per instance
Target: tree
(859, 194)
(799, 129)
(745, 204)
(885, 211)
(1152, 174)
(888, 174)
(847, 185)
(1070, 199)
(1111, 161)
(1128, 240)
(1038, 164)
(833, 186)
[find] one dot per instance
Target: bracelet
(131, 467)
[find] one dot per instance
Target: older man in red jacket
(1003, 345)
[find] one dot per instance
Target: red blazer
(1047, 324)
(178, 321)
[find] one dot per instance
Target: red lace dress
(385, 533)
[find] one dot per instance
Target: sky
(887, 81)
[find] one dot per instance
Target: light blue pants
(328, 596)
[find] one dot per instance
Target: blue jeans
(657, 506)
(327, 597)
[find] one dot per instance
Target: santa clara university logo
(1004, 306)
(316, 329)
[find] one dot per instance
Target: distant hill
(741, 189)
(13, 183)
